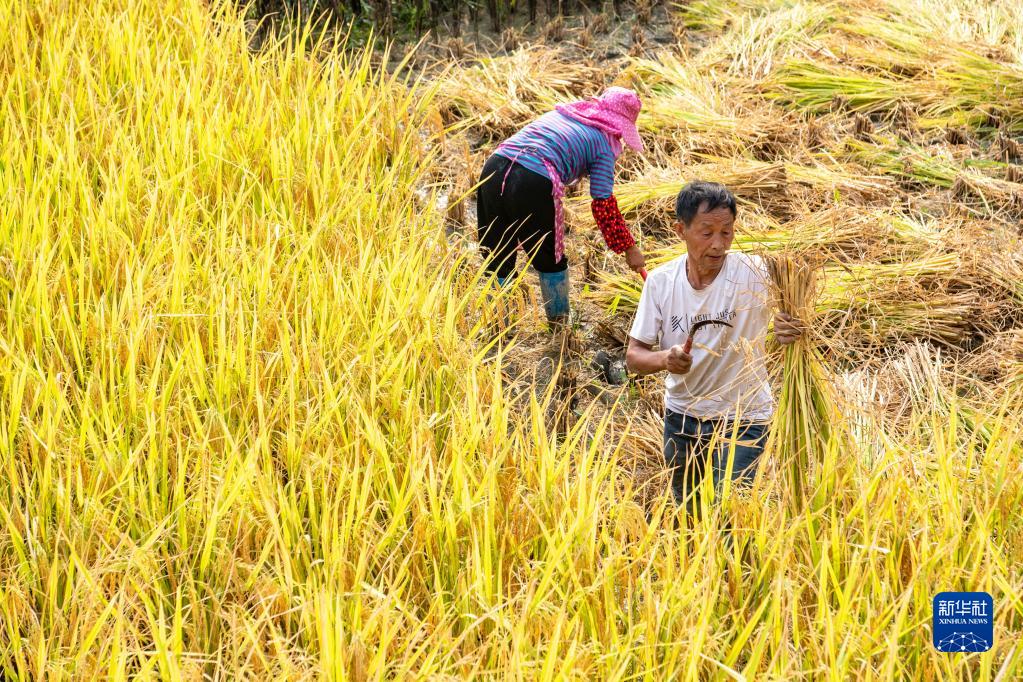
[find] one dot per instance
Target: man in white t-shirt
(709, 310)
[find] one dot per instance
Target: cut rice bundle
(806, 414)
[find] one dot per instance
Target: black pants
(523, 213)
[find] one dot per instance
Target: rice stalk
(711, 15)
(706, 109)
(658, 186)
(820, 88)
(499, 95)
(754, 43)
(966, 178)
(931, 388)
(992, 89)
(893, 316)
(898, 49)
(961, 21)
(805, 414)
(971, 90)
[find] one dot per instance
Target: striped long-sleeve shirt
(575, 149)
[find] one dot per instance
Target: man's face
(708, 237)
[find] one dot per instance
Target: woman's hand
(787, 329)
(634, 258)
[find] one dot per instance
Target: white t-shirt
(729, 373)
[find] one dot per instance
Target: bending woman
(523, 181)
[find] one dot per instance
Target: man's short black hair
(697, 193)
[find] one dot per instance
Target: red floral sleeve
(612, 224)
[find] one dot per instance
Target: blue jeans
(687, 448)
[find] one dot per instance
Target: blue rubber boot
(554, 289)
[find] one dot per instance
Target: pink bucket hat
(614, 112)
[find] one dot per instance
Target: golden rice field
(250, 426)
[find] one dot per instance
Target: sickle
(696, 327)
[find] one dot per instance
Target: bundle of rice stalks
(790, 188)
(992, 194)
(995, 264)
(962, 21)
(896, 48)
(827, 233)
(856, 280)
(824, 175)
(851, 232)
(716, 15)
(971, 90)
(965, 178)
(1006, 269)
(680, 111)
(904, 161)
(711, 111)
(914, 231)
(833, 232)
(755, 42)
(654, 192)
(805, 414)
(860, 234)
(501, 94)
(891, 317)
(819, 88)
(873, 304)
(617, 292)
(979, 87)
(992, 91)
(834, 177)
(694, 108)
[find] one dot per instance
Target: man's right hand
(678, 361)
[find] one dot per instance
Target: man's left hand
(787, 328)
